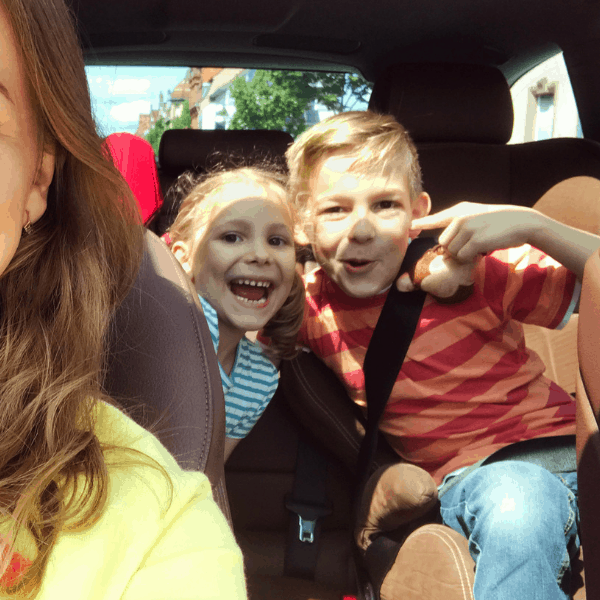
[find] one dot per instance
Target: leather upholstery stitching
(315, 399)
(459, 562)
(355, 444)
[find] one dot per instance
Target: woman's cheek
(9, 241)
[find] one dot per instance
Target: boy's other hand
(473, 229)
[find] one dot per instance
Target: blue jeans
(521, 522)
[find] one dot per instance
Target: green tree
(183, 121)
(154, 135)
(280, 99)
(341, 92)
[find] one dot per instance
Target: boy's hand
(440, 275)
(473, 229)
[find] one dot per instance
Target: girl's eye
(277, 240)
(231, 238)
(332, 210)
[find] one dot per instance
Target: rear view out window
(544, 105)
(148, 100)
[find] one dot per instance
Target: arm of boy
(472, 229)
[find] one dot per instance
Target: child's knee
(519, 499)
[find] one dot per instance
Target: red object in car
(16, 569)
(134, 157)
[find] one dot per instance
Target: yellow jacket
(141, 548)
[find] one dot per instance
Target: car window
(544, 105)
(148, 100)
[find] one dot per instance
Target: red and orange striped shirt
(468, 385)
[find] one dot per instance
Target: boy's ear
(37, 199)
(420, 208)
(182, 252)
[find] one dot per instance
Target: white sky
(121, 94)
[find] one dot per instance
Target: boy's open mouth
(354, 265)
(254, 292)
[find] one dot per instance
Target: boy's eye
(387, 204)
(231, 238)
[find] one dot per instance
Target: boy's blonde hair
(199, 209)
(380, 142)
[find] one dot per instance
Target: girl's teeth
(253, 283)
(251, 302)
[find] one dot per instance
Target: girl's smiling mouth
(251, 292)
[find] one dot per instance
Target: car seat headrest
(447, 102)
(183, 150)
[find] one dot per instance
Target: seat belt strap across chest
(386, 352)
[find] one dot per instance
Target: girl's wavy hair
(56, 300)
(200, 208)
(379, 141)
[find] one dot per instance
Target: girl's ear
(182, 254)
(420, 208)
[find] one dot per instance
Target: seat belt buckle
(308, 516)
(306, 530)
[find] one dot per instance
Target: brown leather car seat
(162, 369)
(588, 414)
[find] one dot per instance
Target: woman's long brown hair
(56, 300)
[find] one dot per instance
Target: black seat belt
(386, 352)
(391, 339)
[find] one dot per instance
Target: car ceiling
(513, 35)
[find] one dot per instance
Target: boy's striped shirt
(468, 385)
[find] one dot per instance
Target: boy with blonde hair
(468, 385)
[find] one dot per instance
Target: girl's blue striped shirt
(250, 385)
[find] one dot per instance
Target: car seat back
(162, 368)
(460, 118)
(588, 413)
(200, 151)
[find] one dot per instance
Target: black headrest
(182, 150)
(447, 102)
